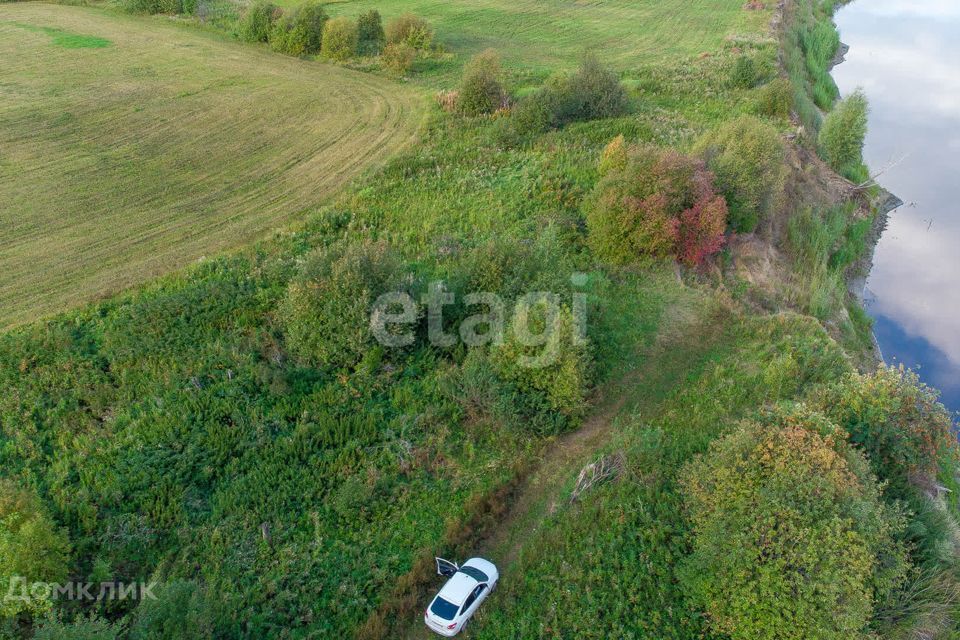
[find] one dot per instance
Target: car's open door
(445, 567)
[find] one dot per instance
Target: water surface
(905, 54)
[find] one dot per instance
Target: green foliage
(32, 549)
(370, 34)
(791, 538)
(300, 32)
(92, 628)
(897, 420)
(747, 157)
(258, 21)
(480, 89)
(326, 312)
(653, 203)
(810, 44)
(813, 237)
(591, 92)
(541, 387)
(411, 30)
(843, 133)
(775, 99)
(399, 57)
(152, 6)
(182, 610)
(744, 73)
(340, 39)
(690, 394)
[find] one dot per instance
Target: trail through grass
(688, 332)
(122, 162)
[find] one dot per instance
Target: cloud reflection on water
(906, 56)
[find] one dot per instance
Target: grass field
(545, 35)
(131, 146)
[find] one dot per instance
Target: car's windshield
(474, 573)
(443, 609)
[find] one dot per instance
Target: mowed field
(546, 35)
(132, 146)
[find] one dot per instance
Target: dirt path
(688, 333)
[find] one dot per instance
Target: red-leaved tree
(655, 203)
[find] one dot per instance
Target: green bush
(259, 20)
(542, 388)
(529, 116)
(326, 312)
(481, 90)
(775, 99)
(370, 34)
(410, 29)
(843, 133)
(791, 537)
(32, 547)
(654, 203)
(340, 39)
(152, 6)
(897, 420)
(92, 628)
(300, 32)
(399, 57)
(747, 157)
(182, 610)
(744, 73)
(591, 92)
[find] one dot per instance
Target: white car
(468, 586)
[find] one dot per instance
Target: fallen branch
(605, 468)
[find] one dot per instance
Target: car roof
(458, 587)
(460, 584)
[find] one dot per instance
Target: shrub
(775, 99)
(326, 312)
(747, 157)
(541, 387)
(791, 538)
(410, 29)
(896, 419)
(529, 116)
(370, 34)
(591, 92)
(655, 203)
(399, 57)
(152, 6)
(259, 20)
(92, 628)
(843, 132)
(182, 610)
(744, 73)
(300, 32)
(340, 38)
(480, 90)
(31, 547)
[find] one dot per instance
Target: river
(905, 54)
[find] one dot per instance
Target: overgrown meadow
(234, 433)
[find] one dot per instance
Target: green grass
(164, 427)
(539, 37)
(68, 40)
(606, 566)
(123, 162)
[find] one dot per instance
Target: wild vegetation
(236, 433)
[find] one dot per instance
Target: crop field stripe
(121, 162)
